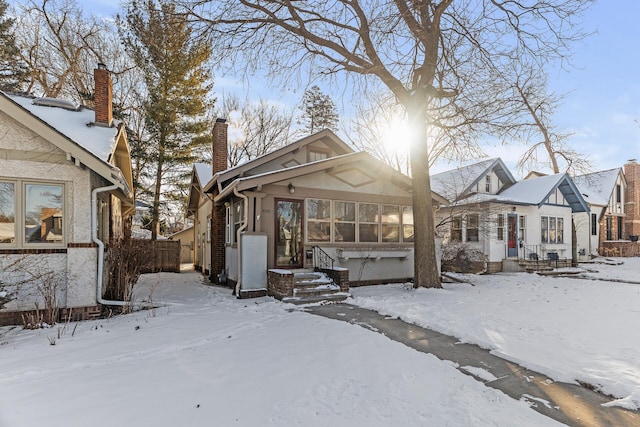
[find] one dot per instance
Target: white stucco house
(65, 189)
(504, 219)
(605, 193)
(310, 202)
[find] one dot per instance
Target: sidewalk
(570, 404)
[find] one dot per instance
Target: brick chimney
(632, 198)
(103, 93)
(220, 150)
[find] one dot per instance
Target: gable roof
(457, 183)
(74, 132)
(334, 164)
(597, 187)
(326, 136)
(535, 191)
(200, 175)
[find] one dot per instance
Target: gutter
(243, 227)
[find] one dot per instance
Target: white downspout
(243, 227)
(100, 243)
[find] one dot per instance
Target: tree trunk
(155, 214)
(425, 267)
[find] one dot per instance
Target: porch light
(292, 189)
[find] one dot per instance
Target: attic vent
(55, 102)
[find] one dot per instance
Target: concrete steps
(312, 287)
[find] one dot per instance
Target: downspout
(100, 243)
(245, 222)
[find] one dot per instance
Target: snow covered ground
(210, 359)
(569, 329)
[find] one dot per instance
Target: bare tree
(550, 147)
(257, 128)
(61, 47)
(440, 59)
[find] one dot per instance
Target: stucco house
(605, 194)
(314, 201)
(507, 221)
(65, 189)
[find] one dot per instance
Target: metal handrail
(321, 259)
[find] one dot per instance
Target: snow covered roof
(535, 191)
(102, 149)
(597, 187)
(76, 125)
(456, 183)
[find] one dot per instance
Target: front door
(512, 235)
(289, 233)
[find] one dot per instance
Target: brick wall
(280, 283)
(76, 314)
(632, 199)
(219, 142)
(339, 276)
(103, 96)
(217, 242)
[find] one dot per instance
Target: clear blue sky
(603, 89)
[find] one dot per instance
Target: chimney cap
(221, 120)
(631, 161)
(102, 66)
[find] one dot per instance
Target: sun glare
(396, 138)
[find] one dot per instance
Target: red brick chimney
(220, 150)
(103, 93)
(632, 198)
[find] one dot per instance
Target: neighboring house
(507, 220)
(605, 193)
(199, 208)
(186, 244)
(65, 188)
(315, 198)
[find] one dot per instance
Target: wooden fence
(165, 255)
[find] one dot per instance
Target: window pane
(368, 232)
(318, 209)
(318, 231)
(345, 211)
(560, 231)
(544, 228)
(472, 228)
(407, 233)
(368, 212)
(7, 212)
(407, 215)
(552, 230)
(43, 213)
(391, 214)
(390, 233)
(345, 232)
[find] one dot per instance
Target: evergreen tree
(318, 111)
(177, 81)
(12, 69)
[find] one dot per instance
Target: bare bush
(125, 260)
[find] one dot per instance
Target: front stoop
(312, 287)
